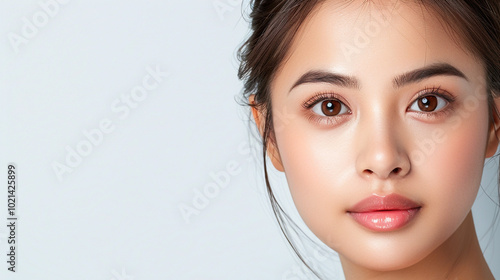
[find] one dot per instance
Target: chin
(387, 261)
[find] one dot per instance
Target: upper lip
(381, 203)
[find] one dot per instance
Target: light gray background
(116, 215)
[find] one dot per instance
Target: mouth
(384, 213)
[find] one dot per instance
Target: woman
(381, 115)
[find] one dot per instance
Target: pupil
(331, 108)
(428, 103)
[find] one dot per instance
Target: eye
(330, 108)
(326, 109)
(428, 103)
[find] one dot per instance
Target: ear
(494, 130)
(272, 151)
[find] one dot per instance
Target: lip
(384, 213)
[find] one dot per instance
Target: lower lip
(387, 220)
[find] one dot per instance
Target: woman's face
(374, 104)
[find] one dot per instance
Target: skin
(383, 144)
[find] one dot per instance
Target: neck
(459, 257)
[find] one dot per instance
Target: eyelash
(428, 91)
(435, 91)
(319, 97)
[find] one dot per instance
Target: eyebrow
(437, 69)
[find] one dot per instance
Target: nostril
(368, 171)
(396, 170)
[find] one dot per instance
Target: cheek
(319, 167)
(450, 176)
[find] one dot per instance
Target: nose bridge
(381, 151)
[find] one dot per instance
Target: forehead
(356, 37)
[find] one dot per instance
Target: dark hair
(274, 24)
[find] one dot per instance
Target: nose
(382, 153)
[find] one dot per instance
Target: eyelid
(437, 91)
(334, 120)
(433, 115)
(325, 120)
(323, 96)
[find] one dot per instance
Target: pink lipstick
(384, 213)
